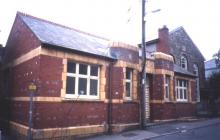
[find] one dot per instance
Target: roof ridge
(176, 29)
(57, 24)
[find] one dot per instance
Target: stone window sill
(80, 100)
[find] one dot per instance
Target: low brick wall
(172, 110)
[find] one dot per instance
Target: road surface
(211, 132)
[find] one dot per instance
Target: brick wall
(125, 113)
(19, 112)
(171, 110)
(185, 110)
(47, 72)
(158, 90)
(163, 64)
(193, 89)
(117, 83)
(70, 113)
(50, 76)
(21, 76)
(20, 41)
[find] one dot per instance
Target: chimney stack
(163, 44)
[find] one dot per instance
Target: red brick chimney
(163, 44)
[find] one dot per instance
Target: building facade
(87, 84)
(182, 78)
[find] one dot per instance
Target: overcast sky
(120, 19)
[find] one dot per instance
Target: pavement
(159, 130)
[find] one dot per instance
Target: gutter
(53, 46)
(109, 110)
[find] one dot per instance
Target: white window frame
(183, 61)
(196, 72)
(181, 88)
(77, 75)
(128, 81)
(167, 86)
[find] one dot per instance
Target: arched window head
(195, 69)
(174, 60)
(183, 62)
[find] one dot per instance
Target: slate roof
(171, 33)
(181, 31)
(180, 70)
(65, 37)
(210, 64)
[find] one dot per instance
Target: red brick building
(87, 84)
(182, 76)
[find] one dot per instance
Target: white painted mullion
(88, 80)
(131, 83)
(77, 79)
(177, 89)
(98, 82)
(94, 77)
(164, 79)
(82, 76)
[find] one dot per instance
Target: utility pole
(32, 89)
(143, 74)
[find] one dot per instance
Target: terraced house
(87, 84)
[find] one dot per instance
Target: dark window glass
(83, 69)
(70, 85)
(167, 86)
(181, 94)
(184, 83)
(82, 86)
(183, 65)
(184, 94)
(94, 71)
(177, 93)
(93, 87)
(128, 74)
(71, 67)
(181, 83)
(167, 92)
(128, 87)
